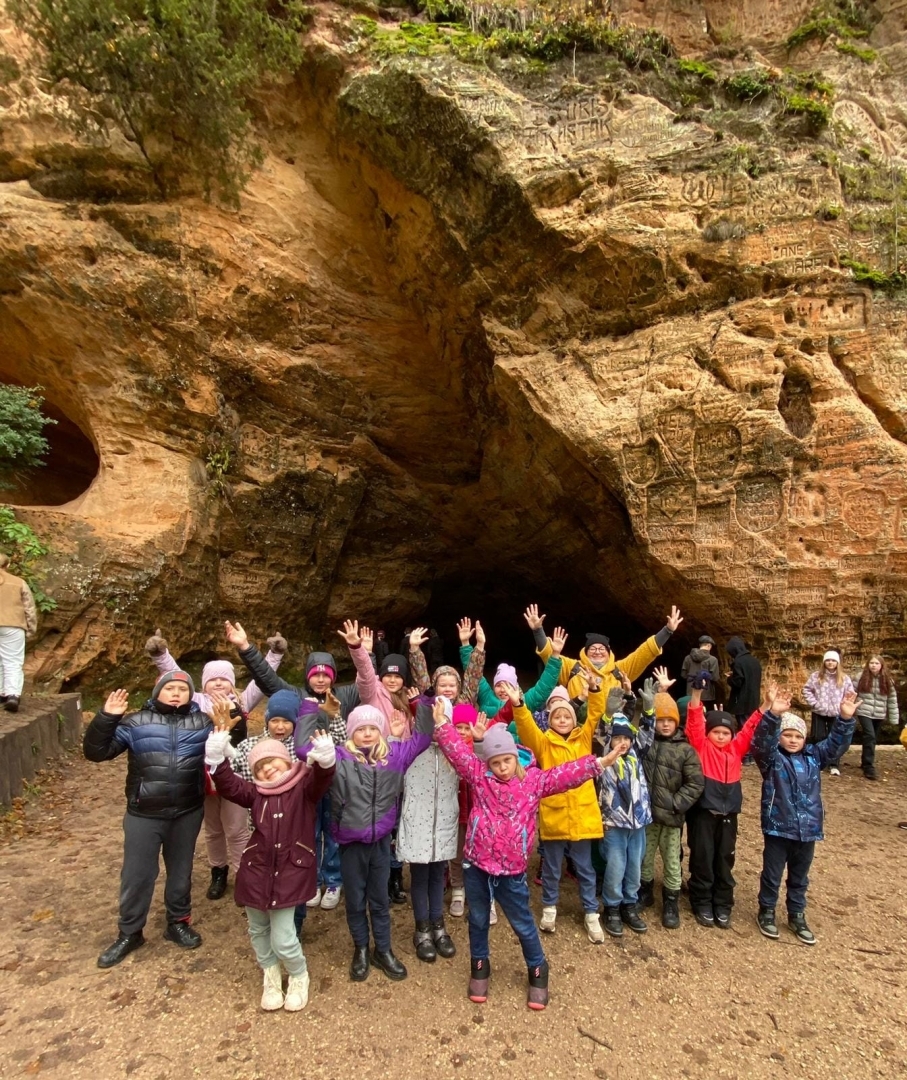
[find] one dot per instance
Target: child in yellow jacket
(571, 821)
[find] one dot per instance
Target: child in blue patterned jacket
(626, 811)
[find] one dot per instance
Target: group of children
(414, 773)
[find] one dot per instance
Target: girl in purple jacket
(278, 868)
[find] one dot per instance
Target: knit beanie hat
(598, 639)
(446, 669)
(832, 654)
(320, 663)
(505, 673)
(394, 664)
(666, 708)
(173, 676)
(366, 716)
(559, 693)
(497, 741)
(790, 721)
(561, 706)
(218, 669)
(620, 725)
(268, 748)
(284, 704)
(719, 718)
(464, 713)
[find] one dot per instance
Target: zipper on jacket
(434, 823)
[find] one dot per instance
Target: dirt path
(692, 1003)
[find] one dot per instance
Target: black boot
(670, 912)
(443, 941)
(613, 925)
(11, 704)
(395, 887)
(630, 916)
(182, 934)
(425, 948)
(120, 949)
(359, 965)
(218, 885)
(646, 895)
(389, 964)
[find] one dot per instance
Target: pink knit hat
(268, 748)
(464, 713)
(559, 705)
(559, 693)
(366, 716)
(218, 669)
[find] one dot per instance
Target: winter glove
(701, 680)
(322, 752)
(156, 645)
(648, 696)
(216, 748)
(615, 701)
(277, 644)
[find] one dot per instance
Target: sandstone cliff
(570, 327)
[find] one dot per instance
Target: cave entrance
(70, 464)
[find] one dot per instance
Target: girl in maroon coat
(278, 868)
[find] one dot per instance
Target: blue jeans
(552, 858)
(326, 846)
(623, 851)
(512, 895)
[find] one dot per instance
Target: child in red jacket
(712, 821)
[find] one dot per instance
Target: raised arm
(695, 729)
(569, 775)
(366, 679)
(232, 786)
(527, 729)
(473, 671)
(418, 669)
(103, 738)
(830, 748)
(636, 663)
(252, 695)
(404, 753)
(464, 761)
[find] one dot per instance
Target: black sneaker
(723, 918)
(766, 922)
(11, 704)
(182, 934)
(630, 916)
(120, 949)
(613, 925)
(704, 915)
(797, 922)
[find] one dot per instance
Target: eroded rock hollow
(500, 333)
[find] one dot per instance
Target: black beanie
(394, 664)
(598, 639)
(719, 718)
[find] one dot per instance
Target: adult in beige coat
(18, 617)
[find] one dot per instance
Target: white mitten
(216, 748)
(322, 752)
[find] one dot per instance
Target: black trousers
(365, 869)
(821, 729)
(144, 839)
(713, 846)
(870, 738)
(797, 856)
(426, 890)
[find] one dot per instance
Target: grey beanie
(498, 740)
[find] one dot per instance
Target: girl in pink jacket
(499, 838)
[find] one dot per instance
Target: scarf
(283, 783)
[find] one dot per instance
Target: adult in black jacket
(744, 679)
(165, 792)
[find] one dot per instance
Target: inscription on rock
(641, 463)
(759, 504)
(672, 503)
(716, 451)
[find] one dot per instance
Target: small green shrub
(868, 56)
(699, 68)
(829, 212)
(817, 113)
(22, 444)
(876, 279)
(749, 85)
(24, 548)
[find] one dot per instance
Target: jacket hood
(735, 646)
(698, 655)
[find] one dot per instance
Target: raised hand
(156, 645)
(220, 714)
(117, 703)
(781, 702)
(331, 704)
(398, 724)
(216, 747)
(583, 692)
(614, 702)
(350, 633)
(512, 692)
(464, 629)
(480, 636)
(849, 705)
(322, 751)
(532, 617)
(480, 727)
(648, 696)
(558, 640)
(368, 639)
(594, 681)
(418, 637)
(771, 692)
(625, 683)
(277, 643)
(412, 692)
(438, 712)
(663, 679)
(674, 619)
(609, 758)
(236, 635)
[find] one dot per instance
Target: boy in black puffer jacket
(674, 776)
(165, 793)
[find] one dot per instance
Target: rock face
(496, 332)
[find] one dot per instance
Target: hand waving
(558, 640)
(236, 635)
(117, 703)
(532, 617)
(464, 629)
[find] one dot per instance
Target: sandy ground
(691, 1003)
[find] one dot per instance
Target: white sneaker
(458, 903)
(493, 917)
(834, 771)
(315, 901)
(549, 917)
(272, 996)
(594, 929)
(331, 898)
(297, 992)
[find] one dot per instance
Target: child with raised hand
(675, 780)
(712, 821)
(278, 869)
(386, 690)
(499, 838)
(364, 798)
(226, 824)
(569, 822)
(597, 656)
(445, 681)
(792, 812)
(492, 698)
(165, 791)
(626, 812)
